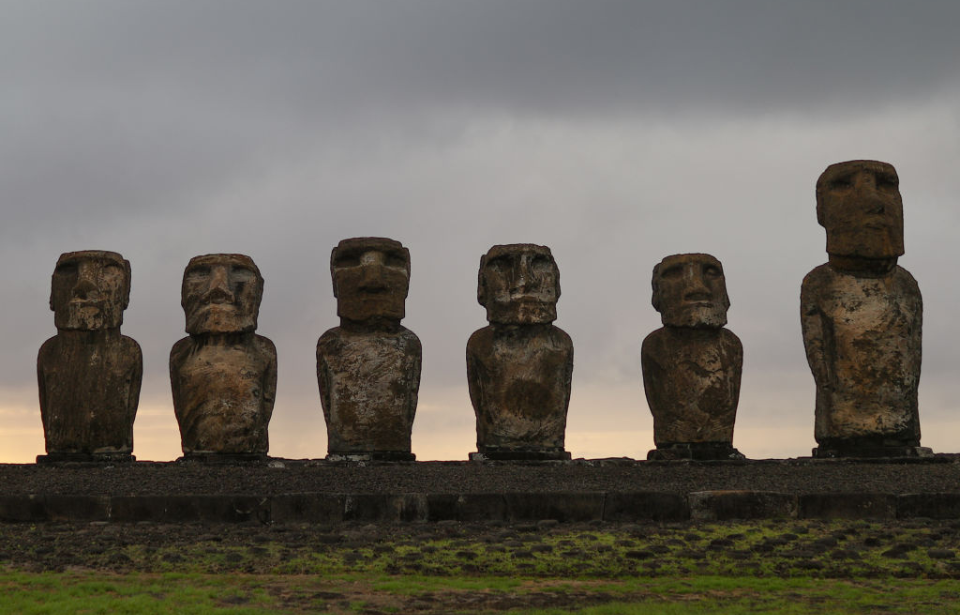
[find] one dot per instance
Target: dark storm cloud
(152, 101)
(549, 55)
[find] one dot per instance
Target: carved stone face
(221, 293)
(689, 290)
(859, 204)
(371, 279)
(519, 284)
(90, 290)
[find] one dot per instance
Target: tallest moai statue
(861, 315)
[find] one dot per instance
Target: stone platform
(623, 490)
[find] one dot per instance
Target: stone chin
(379, 306)
(866, 243)
(712, 316)
(529, 312)
(87, 316)
(220, 319)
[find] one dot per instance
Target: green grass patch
(764, 566)
(90, 592)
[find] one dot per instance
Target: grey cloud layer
(547, 55)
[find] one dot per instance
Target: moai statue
(368, 368)
(223, 375)
(89, 374)
(520, 366)
(861, 316)
(692, 365)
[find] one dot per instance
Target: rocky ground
(310, 568)
(804, 476)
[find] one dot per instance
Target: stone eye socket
(498, 264)
(712, 271)
(672, 272)
(887, 182)
(348, 259)
(395, 259)
(198, 271)
(541, 262)
(69, 268)
(842, 183)
(243, 272)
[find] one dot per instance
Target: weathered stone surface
(223, 375)
(520, 367)
(861, 316)
(848, 506)
(634, 505)
(89, 374)
(368, 368)
(692, 365)
(726, 505)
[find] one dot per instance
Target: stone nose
(372, 277)
(865, 186)
(871, 200)
(219, 289)
(522, 277)
(696, 288)
(86, 286)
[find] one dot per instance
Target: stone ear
(820, 186)
(126, 284)
(655, 299)
(556, 276)
(482, 283)
(333, 275)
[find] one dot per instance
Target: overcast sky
(614, 132)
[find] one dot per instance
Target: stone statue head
(859, 204)
(519, 284)
(221, 293)
(90, 290)
(371, 279)
(689, 290)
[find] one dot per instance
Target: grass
(757, 567)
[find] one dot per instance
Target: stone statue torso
(224, 394)
(369, 382)
(692, 384)
(89, 393)
(863, 341)
(520, 380)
